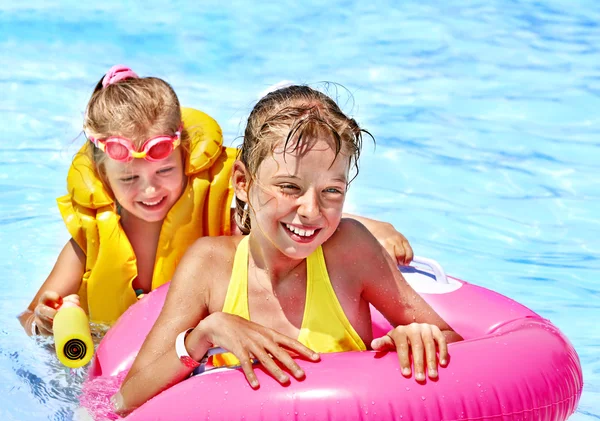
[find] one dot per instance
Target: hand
(247, 340)
(393, 242)
(44, 312)
(421, 338)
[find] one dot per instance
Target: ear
(240, 180)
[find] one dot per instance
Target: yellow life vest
(90, 214)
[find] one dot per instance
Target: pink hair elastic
(117, 73)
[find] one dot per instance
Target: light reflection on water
(485, 116)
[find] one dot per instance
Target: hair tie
(118, 73)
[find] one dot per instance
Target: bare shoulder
(351, 251)
(215, 250)
(205, 259)
(350, 238)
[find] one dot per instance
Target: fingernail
(406, 371)
(299, 373)
(432, 373)
(117, 401)
(420, 376)
(444, 362)
(254, 383)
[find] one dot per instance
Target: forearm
(451, 336)
(167, 370)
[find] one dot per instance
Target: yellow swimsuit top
(91, 217)
(325, 327)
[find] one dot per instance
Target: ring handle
(438, 271)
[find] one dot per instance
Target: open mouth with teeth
(300, 234)
(153, 203)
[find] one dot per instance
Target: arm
(392, 241)
(416, 324)
(157, 367)
(63, 281)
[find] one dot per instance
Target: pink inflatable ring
(513, 365)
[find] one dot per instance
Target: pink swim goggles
(154, 149)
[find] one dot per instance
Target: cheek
(124, 193)
(261, 197)
(335, 209)
(178, 183)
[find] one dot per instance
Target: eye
(334, 190)
(288, 189)
(128, 179)
(165, 170)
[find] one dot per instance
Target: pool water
(485, 115)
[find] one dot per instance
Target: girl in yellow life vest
(152, 179)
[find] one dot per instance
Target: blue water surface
(486, 115)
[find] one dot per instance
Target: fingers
(442, 345)
(416, 344)
(277, 348)
(43, 329)
(391, 248)
(399, 248)
(288, 362)
(384, 343)
(421, 342)
(44, 318)
(246, 339)
(408, 252)
(51, 299)
(297, 347)
(430, 351)
(403, 349)
(73, 298)
(246, 364)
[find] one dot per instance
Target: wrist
(198, 341)
(190, 347)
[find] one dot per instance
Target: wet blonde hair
(299, 116)
(135, 108)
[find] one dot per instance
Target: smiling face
(297, 197)
(146, 190)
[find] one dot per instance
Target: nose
(309, 205)
(149, 187)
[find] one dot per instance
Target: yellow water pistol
(72, 337)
